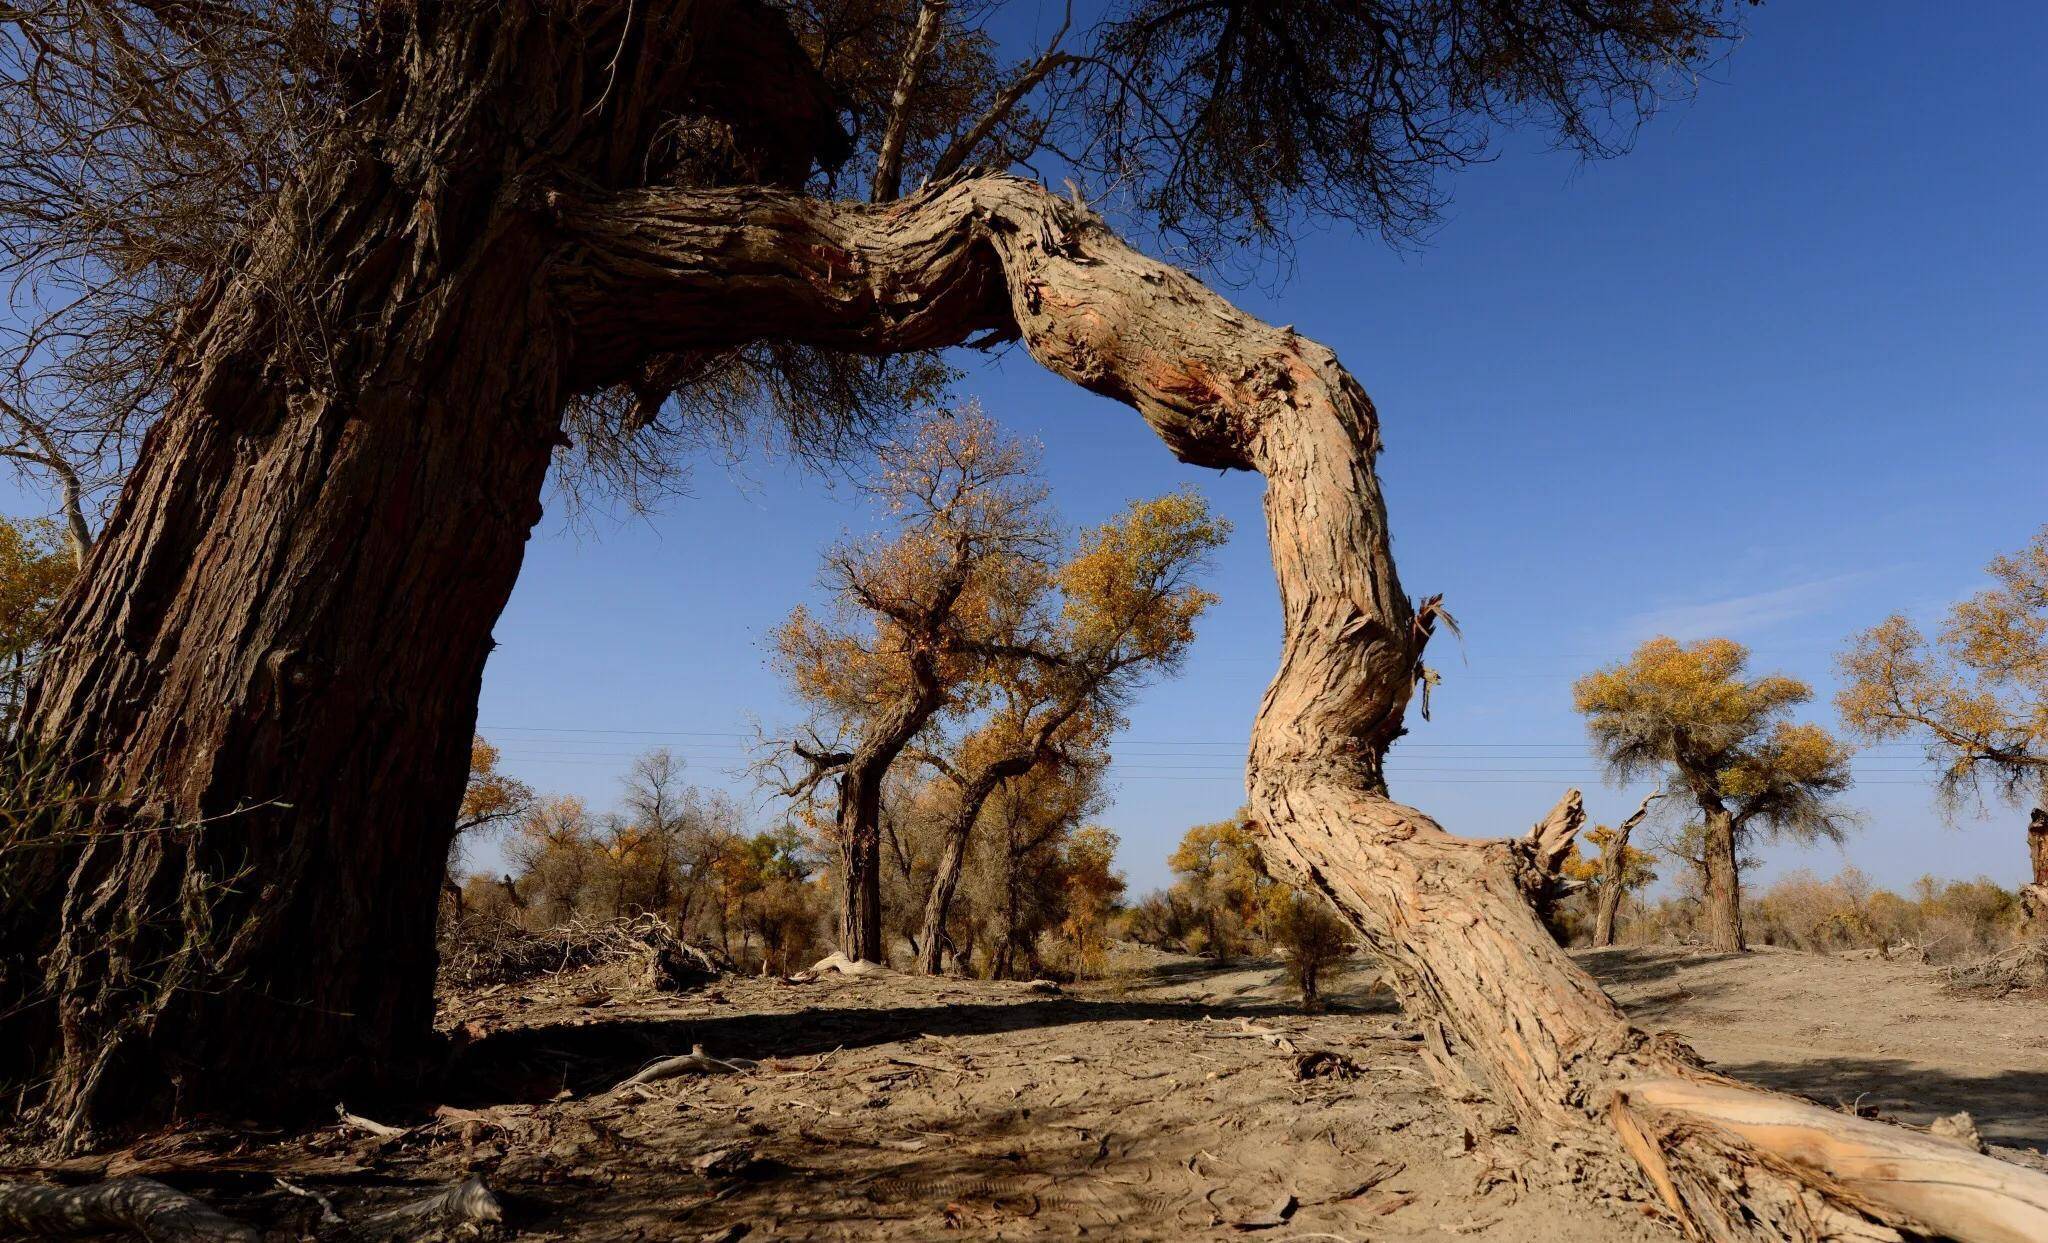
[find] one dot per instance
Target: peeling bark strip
(1500, 1002)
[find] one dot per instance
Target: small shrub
(1317, 944)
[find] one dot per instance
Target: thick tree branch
(888, 179)
(1502, 1005)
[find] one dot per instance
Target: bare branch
(888, 178)
(1005, 102)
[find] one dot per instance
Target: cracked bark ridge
(283, 513)
(366, 404)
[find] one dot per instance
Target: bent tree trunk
(1506, 1012)
(857, 825)
(938, 901)
(1723, 897)
(267, 677)
(2034, 898)
(975, 792)
(1614, 873)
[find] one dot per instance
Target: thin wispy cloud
(1746, 614)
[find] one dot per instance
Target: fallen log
(140, 1206)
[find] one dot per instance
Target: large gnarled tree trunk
(1505, 1010)
(268, 675)
(300, 578)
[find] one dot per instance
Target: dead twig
(370, 1125)
(695, 1062)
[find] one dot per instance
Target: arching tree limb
(1506, 1008)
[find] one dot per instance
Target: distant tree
(553, 846)
(1316, 941)
(1094, 888)
(1687, 712)
(1976, 697)
(34, 571)
(1618, 870)
(915, 620)
(1221, 870)
(1121, 610)
(660, 804)
(1019, 870)
(490, 798)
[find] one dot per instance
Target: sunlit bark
(1505, 1011)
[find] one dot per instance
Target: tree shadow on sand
(533, 1064)
(2009, 1107)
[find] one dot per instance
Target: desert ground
(1181, 1099)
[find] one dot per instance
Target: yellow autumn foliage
(1976, 695)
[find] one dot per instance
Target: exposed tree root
(1895, 1176)
(140, 1206)
(466, 1202)
(695, 1062)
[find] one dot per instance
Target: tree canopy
(1976, 694)
(141, 143)
(1691, 709)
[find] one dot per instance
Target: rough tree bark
(857, 826)
(1613, 867)
(2034, 897)
(269, 670)
(1723, 897)
(975, 791)
(230, 657)
(1504, 1009)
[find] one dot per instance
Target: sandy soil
(1850, 1030)
(1171, 1103)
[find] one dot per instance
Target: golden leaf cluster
(1976, 695)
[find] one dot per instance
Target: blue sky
(1774, 374)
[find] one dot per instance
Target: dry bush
(478, 951)
(1164, 919)
(1943, 922)
(2023, 969)
(1318, 945)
